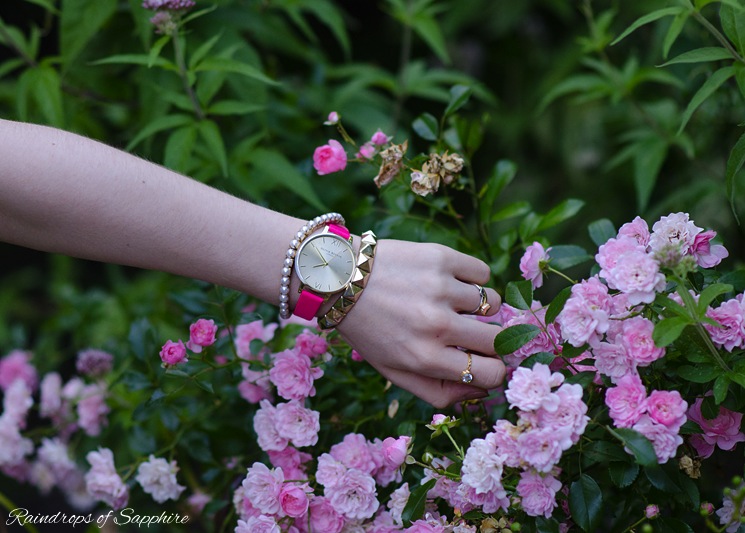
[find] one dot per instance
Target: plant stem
(718, 35)
(179, 53)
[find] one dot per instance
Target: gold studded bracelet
(352, 293)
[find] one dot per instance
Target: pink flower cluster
(103, 482)
(332, 157)
(349, 473)
(293, 371)
(202, 333)
(71, 406)
(630, 264)
(551, 418)
(730, 316)
(157, 477)
(658, 416)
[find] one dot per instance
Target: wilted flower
(423, 183)
(392, 163)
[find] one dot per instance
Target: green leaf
(136, 59)
(565, 210)
(707, 89)
(601, 231)
(224, 64)
(586, 502)
(738, 377)
(649, 155)
(623, 474)
(661, 479)
(646, 19)
(167, 122)
(274, 167)
(514, 209)
(585, 84)
(204, 49)
(80, 21)
(668, 524)
(638, 444)
(46, 4)
(545, 358)
(676, 26)
(459, 95)
(210, 134)
(667, 330)
(721, 386)
(426, 127)
(734, 164)
(414, 508)
(141, 441)
(519, 294)
(233, 107)
(156, 49)
(179, 148)
(501, 175)
(514, 337)
(701, 55)
(699, 373)
(603, 451)
(557, 304)
(427, 28)
(47, 93)
(546, 525)
(330, 14)
(709, 294)
(140, 339)
(733, 24)
(565, 256)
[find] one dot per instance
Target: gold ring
(484, 305)
(466, 376)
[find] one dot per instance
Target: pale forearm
(68, 194)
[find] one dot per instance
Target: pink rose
(355, 452)
(329, 158)
(293, 500)
(201, 333)
(263, 486)
(297, 424)
(310, 344)
(637, 339)
(722, 431)
(534, 263)
(627, 401)
(636, 229)
(538, 493)
(354, 496)
(706, 254)
(323, 516)
(294, 375)
(367, 151)
(665, 440)
(15, 366)
(379, 138)
(332, 119)
(173, 353)
(245, 333)
(667, 408)
(395, 450)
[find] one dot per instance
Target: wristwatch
(325, 265)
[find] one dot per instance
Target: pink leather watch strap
(308, 305)
(341, 231)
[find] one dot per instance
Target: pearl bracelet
(307, 229)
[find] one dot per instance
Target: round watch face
(325, 263)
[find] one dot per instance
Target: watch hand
(325, 263)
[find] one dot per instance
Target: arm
(67, 194)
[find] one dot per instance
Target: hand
(416, 296)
